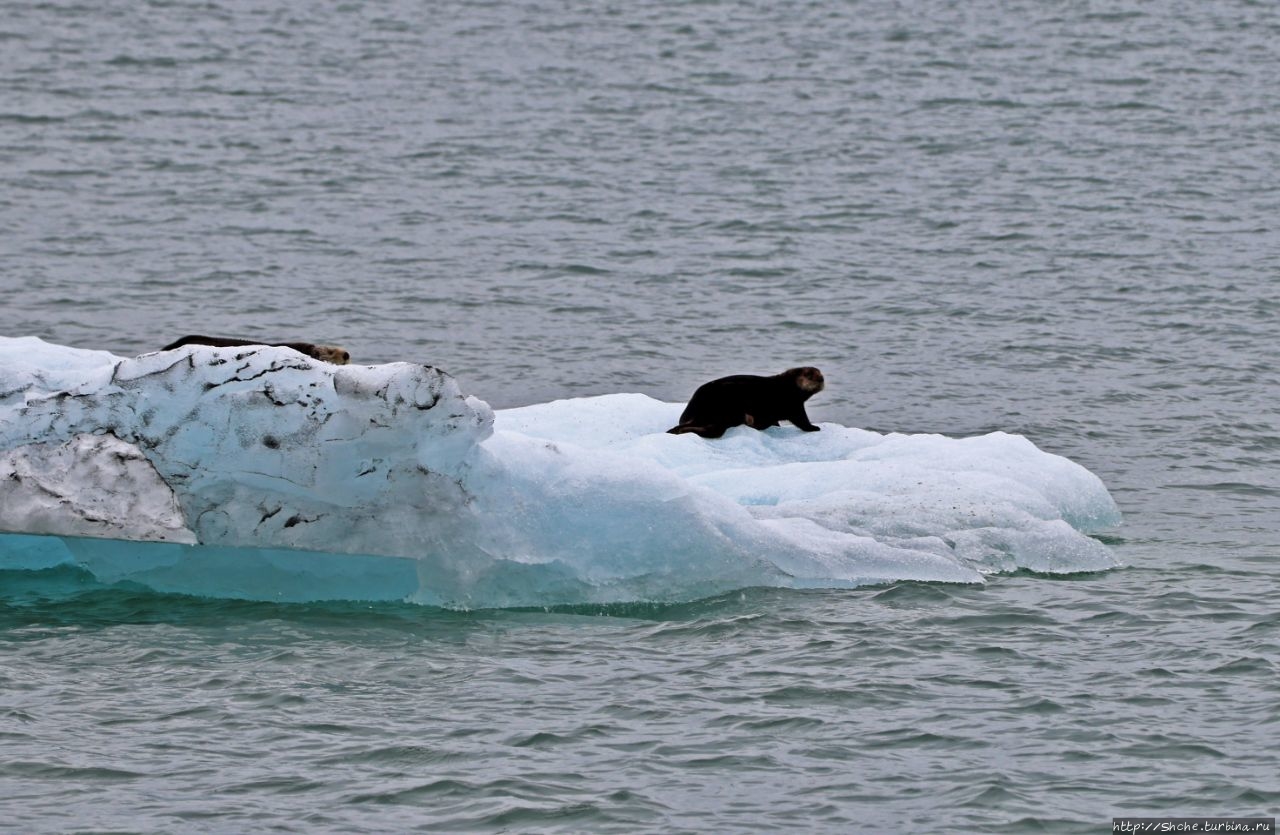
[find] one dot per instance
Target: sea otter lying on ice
(325, 353)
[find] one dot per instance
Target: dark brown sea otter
(759, 402)
(325, 353)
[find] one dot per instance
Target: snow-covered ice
(261, 473)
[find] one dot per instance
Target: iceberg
(260, 473)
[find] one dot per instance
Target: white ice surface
(267, 459)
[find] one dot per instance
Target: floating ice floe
(263, 474)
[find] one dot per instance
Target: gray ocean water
(1050, 218)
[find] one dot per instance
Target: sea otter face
(331, 353)
(808, 379)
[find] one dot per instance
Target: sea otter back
(728, 399)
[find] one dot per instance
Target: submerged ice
(261, 473)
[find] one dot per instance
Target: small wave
(30, 119)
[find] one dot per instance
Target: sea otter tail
(702, 431)
(213, 341)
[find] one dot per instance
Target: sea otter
(759, 402)
(325, 353)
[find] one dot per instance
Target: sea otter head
(335, 354)
(807, 378)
